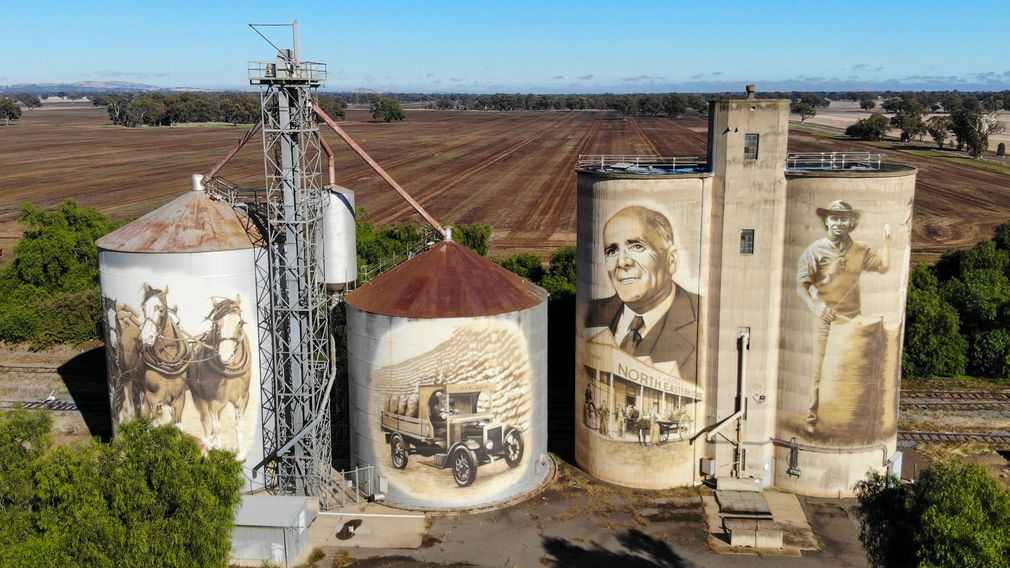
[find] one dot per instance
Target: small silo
(339, 245)
(447, 364)
(182, 343)
(640, 361)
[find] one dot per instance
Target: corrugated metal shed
(446, 281)
(193, 222)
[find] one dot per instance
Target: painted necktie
(633, 338)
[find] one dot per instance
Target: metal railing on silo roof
(269, 70)
(833, 161)
(619, 162)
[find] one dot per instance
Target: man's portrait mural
(851, 293)
(637, 383)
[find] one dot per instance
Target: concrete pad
(788, 515)
(368, 525)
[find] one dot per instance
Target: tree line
(158, 109)
(970, 121)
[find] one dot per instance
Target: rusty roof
(192, 222)
(446, 281)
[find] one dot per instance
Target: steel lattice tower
(293, 303)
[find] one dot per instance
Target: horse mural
(122, 338)
(165, 353)
(220, 373)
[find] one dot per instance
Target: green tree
(334, 106)
(528, 265)
(990, 354)
(57, 251)
(387, 110)
(624, 105)
(476, 237)
(955, 516)
(147, 499)
(804, 110)
(933, 343)
(907, 117)
(650, 105)
(560, 279)
(868, 103)
(674, 105)
(698, 103)
(938, 128)
(873, 128)
(1001, 150)
(9, 110)
(972, 126)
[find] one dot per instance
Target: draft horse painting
(165, 353)
(220, 372)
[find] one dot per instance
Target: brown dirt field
(515, 171)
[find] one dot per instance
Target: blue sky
(521, 46)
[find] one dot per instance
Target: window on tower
(750, 146)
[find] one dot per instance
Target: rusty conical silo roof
(192, 222)
(446, 281)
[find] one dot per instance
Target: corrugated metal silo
(447, 358)
(182, 342)
(639, 321)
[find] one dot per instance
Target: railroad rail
(27, 369)
(966, 395)
(48, 404)
(956, 405)
(997, 438)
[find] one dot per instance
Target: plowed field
(515, 171)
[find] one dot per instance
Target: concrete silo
(639, 306)
(182, 343)
(447, 364)
(847, 257)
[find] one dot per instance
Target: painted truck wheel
(464, 467)
(398, 451)
(513, 448)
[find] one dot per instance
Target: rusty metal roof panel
(192, 222)
(446, 281)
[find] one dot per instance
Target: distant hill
(79, 87)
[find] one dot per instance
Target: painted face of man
(640, 264)
(838, 226)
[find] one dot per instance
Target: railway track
(956, 395)
(48, 404)
(26, 369)
(957, 405)
(996, 438)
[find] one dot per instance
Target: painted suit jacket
(673, 338)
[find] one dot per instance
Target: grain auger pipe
(382, 173)
(234, 150)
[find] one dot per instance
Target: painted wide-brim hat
(839, 208)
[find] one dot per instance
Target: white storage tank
(339, 238)
(447, 360)
(182, 342)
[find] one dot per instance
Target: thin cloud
(586, 77)
(861, 67)
(429, 75)
(558, 77)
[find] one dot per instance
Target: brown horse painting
(122, 337)
(165, 354)
(220, 373)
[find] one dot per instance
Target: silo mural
(181, 334)
(450, 401)
(638, 324)
(843, 310)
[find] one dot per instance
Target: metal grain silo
(848, 247)
(447, 360)
(182, 342)
(640, 333)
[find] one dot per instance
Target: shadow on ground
(642, 551)
(86, 380)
